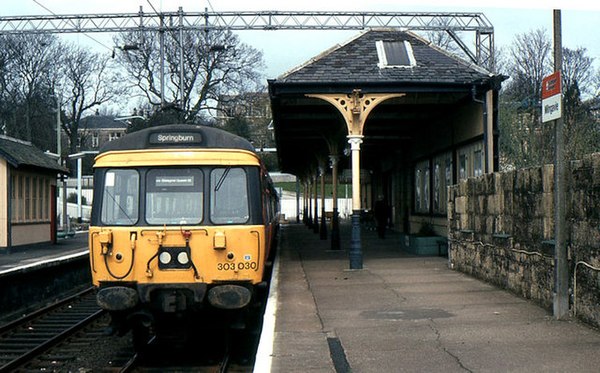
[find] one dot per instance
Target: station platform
(28, 256)
(403, 313)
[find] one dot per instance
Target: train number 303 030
(236, 266)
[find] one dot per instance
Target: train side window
(229, 196)
(174, 196)
(120, 197)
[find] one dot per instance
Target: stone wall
(501, 229)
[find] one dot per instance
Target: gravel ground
(91, 350)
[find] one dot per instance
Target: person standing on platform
(381, 216)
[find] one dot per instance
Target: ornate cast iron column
(323, 229)
(355, 107)
(355, 254)
(316, 200)
(335, 220)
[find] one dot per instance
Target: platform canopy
(434, 84)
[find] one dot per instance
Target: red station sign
(551, 97)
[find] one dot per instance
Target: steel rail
(35, 314)
(49, 342)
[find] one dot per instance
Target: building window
(21, 199)
(471, 161)
(462, 162)
(30, 198)
(477, 163)
(34, 199)
(113, 136)
(442, 178)
(14, 207)
(395, 54)
(48, 196)
(422, 190)
(27, 198)
(95, 140)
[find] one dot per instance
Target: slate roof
(102, 122)
(20, 153)
(356, 62)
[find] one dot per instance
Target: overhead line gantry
(450, 22)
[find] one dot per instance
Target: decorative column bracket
(355, 107)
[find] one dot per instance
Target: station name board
(551, 97)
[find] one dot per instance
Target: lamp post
(58, 142)
(125, 48)
(127, 118)
(59, 160)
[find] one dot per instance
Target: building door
(53, 220)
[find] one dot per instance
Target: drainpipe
(9, 212)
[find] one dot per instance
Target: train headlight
(164, 257)
(174, 258)
(183, 258)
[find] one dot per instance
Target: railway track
(135, 365)
(160, 359)
(24, 339)
(70, 336)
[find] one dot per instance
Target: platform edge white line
(264, 354)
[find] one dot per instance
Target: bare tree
(577, 69)
(87, 82)
(525, 140)
(213, 63)
(530, 54)
(30, 62)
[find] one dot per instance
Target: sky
(284, 50)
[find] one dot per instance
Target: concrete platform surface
(27, 256)
(403, 313)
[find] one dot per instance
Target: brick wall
(501, 229)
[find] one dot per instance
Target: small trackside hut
(27, 194)
(183, 222)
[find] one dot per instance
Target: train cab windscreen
(229, 196)
(174, 196)
(120, 197)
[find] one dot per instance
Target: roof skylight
(395, 54)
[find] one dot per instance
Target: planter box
(424, 245)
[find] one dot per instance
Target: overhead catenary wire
(73, 23)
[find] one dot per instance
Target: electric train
(184, 222)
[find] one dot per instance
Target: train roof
(178, 136)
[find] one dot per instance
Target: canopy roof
(434, 81)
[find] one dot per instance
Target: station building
(27, 194)
(417, 118)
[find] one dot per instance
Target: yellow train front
(183, 222)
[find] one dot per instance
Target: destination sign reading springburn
(172, 138)
(551, 97)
